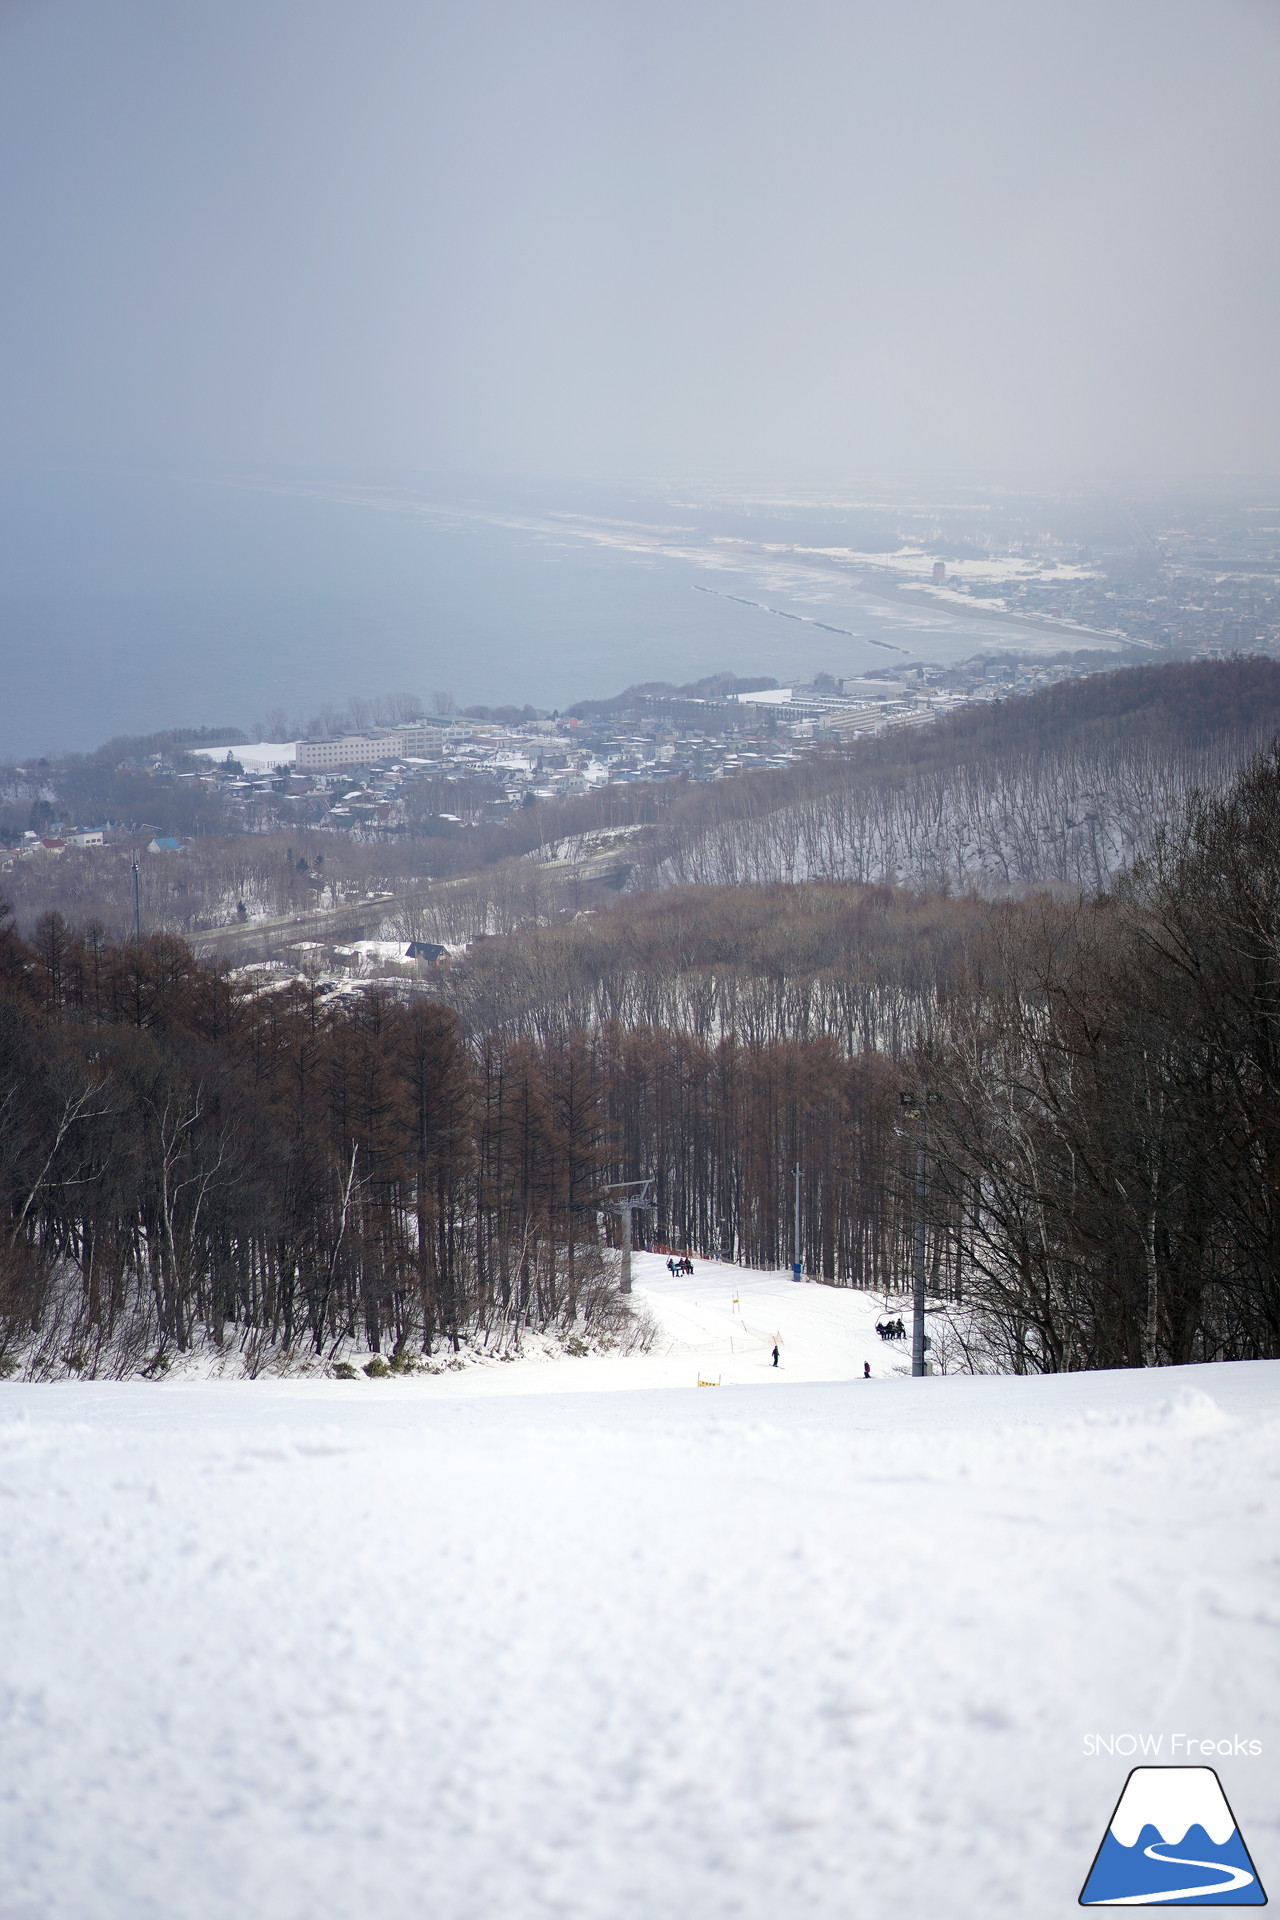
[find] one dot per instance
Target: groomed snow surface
(721, 1324)
(472, 1647)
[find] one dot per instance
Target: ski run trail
(513, 1642)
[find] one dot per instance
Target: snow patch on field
(258, 754)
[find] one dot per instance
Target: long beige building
(365, 749)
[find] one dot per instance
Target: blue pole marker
(1172, 1842)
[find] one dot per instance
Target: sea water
(134, 602)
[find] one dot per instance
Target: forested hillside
(189, 1161)
(866, 967)
(188, 1164)
(1064, 788)
(193, 1159)
(1061, 789)
(1102, 1077)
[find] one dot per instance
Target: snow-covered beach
(480, 1644)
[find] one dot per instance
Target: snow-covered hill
(320, 1650)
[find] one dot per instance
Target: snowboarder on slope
(775, 1353)
(866, 1369)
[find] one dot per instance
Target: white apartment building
(357, 750)
(365, 749)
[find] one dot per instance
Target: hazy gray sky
(641, 236)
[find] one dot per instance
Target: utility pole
(137, 947)
(797, 1260)
(624, 1206)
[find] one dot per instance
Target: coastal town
(450, 769)
(1150, 582)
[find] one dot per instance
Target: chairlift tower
(915, 1106)
(797, 1263)
(624, 1205)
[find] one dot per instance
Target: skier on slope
(866, 1369)
(775, 1353)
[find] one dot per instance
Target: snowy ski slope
(720, 1324)
(472, 1647)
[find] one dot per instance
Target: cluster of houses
(448, 773)
(652, 737)
(84, 839)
